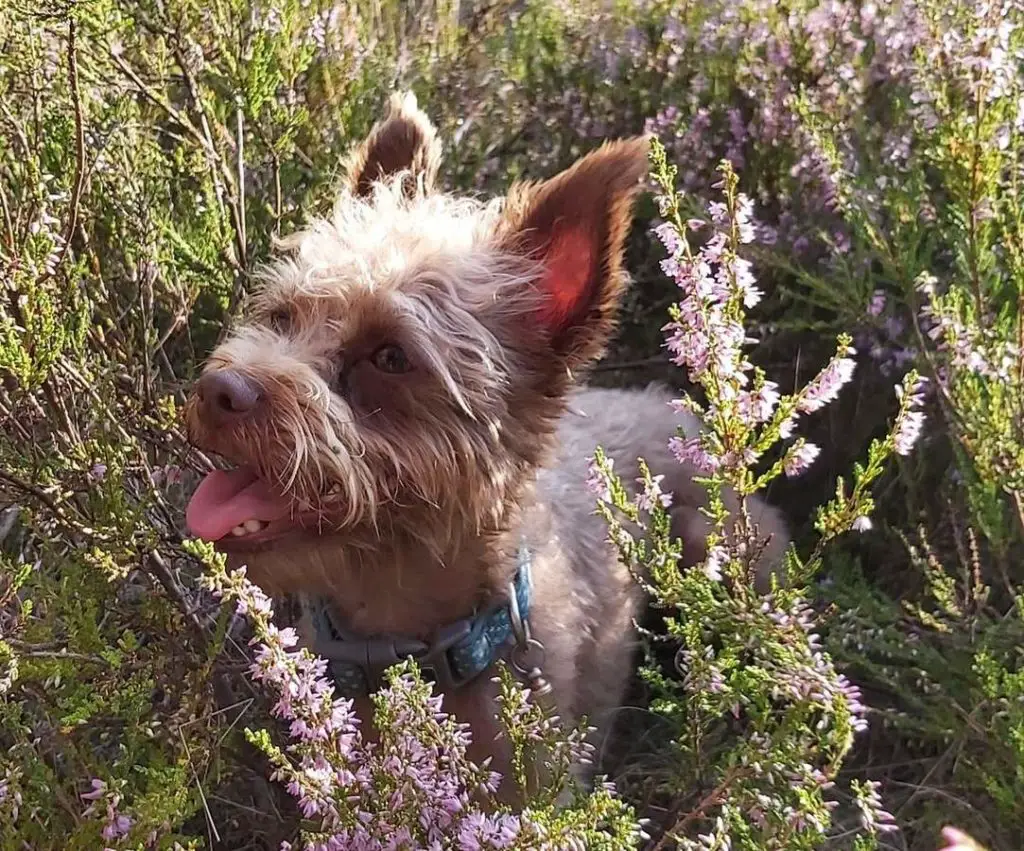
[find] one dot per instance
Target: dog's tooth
(238, 531)
(253, 525)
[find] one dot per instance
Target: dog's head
(405, 362)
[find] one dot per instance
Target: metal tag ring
(520, 628)
(519, 657)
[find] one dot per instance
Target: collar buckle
(454, 655)
(435, 663)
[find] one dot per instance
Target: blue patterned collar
(455, 655)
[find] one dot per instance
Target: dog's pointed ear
(403, 141)
(575, 225)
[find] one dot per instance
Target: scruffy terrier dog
(410, 447)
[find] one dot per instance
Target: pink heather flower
(690, 451)
(787, 426)
(957, 840)
(6, 798)
(877, 304)
(669, 237)
(117, 827)
(872, 817)
(652, 494)
(826, 385)
(715, 247)
(98, 472)
(746, 283)
(908, 430)
(916, 397)
(478, 833)
(255, 601)
(97, 792)
(331, 770)
(596, 482)
(719, 213)
(862, 523)
(800, 457)
(716, 559)
(767, 235)
(745, 224)
(758, 407)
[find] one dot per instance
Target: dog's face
(404, 364)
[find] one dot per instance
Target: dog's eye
(391, 358)
(280, 320)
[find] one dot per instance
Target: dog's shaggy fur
(406, 381)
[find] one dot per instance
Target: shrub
(149, 152)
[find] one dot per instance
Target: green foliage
(150, 152)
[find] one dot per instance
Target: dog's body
(401, 404)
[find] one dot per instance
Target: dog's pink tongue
(225, 499)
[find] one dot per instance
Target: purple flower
(669, 237)
(799, 458)
(877, 304)
(826, 385)
(652, 494)
(862, 523)
(117, 827)
(596, 482)
(907, 431)
(99, 788)
(692, 453)
(333, 773)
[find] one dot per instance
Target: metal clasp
(373, 656)
(434, 659)
(527, 657)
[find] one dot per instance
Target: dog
(401, 403)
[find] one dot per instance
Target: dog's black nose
(228, 396)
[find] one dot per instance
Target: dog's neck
(392, 581)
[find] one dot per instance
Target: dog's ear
(403, 141)
(575, 225)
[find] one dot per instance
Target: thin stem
(76, 101)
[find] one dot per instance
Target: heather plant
(414, 787)
(149, 152)
(763, 719)
(939, 230)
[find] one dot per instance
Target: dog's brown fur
(424, 483)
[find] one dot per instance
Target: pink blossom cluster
(10, 795)
(910, 420)
(815, 678)
(849, 50)
(707, 338)
(106, 801)
(956, 840)
(973, 347)
(414, 787)
(884, 339)
(873, 818)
